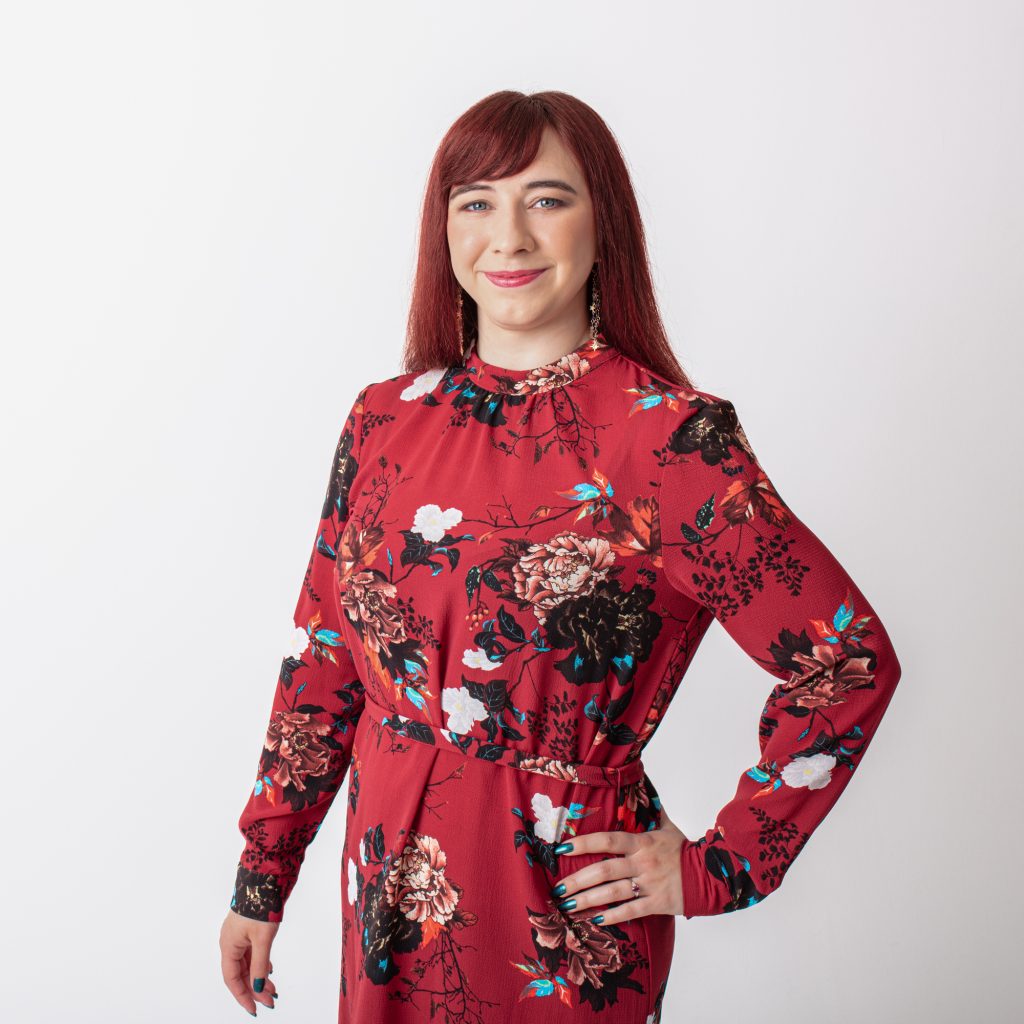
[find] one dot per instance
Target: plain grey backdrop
(209, 216)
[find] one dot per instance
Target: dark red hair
(497, 137)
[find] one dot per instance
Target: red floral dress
(511, 573)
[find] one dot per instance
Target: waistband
(498, 754)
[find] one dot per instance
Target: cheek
(465, 245)
(571, 240)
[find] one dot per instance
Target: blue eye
(543, 199)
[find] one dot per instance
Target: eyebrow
(545, 183)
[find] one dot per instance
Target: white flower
(353, 874)
(298, 641)
(432, 524)
(814, 772)
(422, 385)
(476, 657)
(550, 819)
(462, 708)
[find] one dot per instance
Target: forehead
(553, 160)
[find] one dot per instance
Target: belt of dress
(484, 751)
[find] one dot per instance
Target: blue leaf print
(843, 617)
(585, 492)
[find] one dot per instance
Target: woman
(524, 539)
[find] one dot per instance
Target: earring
(595, 305)
(458, 322)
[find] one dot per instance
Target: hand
(245, 957)
(652, 858)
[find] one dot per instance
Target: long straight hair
(498, 137)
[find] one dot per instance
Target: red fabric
(511, 574)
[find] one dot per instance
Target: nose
(511, 231)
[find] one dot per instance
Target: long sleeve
(317, 702)
(731, 543)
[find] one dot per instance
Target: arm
(730, 542)
(316, 705)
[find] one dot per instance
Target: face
(541, 219)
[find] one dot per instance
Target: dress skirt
(447, 872)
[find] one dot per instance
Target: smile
(513, 278)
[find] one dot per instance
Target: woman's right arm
(317, 702)
(307, 748)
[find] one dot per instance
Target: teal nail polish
(567, 904)
(257, 985)
(598, 919)
(253, 1012)
(559, 889)
(563, 848)
(276, 994)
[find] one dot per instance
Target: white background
(209, 214)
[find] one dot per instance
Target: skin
(502, 225)
(245, 956)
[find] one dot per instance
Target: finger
(585, 900)
(626, 911)
(234, 963)
(600, 873)
(259, 970)
(599, 842)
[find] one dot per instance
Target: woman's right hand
(245, 960)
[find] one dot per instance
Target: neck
(524, 348)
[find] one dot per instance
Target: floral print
(511, 574)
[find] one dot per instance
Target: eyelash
(553, 199)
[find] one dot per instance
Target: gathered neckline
(561, 372)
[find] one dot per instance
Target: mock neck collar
(565, 370)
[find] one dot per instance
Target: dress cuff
(700, 898)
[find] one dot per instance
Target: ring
(636, 887)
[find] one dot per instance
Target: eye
(473, 203)
(551, 199)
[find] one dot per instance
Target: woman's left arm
(731, 542)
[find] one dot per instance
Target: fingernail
(563, 848)
(276, 994)
(257, 985)
(598, 919)
(253, 1012)
(558, 889)
(567, 904)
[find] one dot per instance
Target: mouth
(513, 278)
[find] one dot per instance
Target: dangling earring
(595, 304)
(458, 324)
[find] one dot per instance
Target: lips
(513, 278)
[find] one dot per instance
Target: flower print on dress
(476, 658)
(550, 819)
(528, 413)
(410, 906)
(462, 708)
(578, 960)
(814, 772)
(353, 881)
(557, 374)
(422, 384)
(432, 524)
(567, 566)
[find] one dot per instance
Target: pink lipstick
(513, 278)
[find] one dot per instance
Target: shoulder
(394, 392)
(679, 408)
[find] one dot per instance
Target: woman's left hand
(652, 858)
